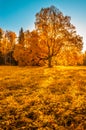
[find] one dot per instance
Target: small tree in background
(19, 49)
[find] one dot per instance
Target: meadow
(41, 98)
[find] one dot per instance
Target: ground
(41, 98)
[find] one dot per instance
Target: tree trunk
(10, 58)
(5, 59)
(50, 62)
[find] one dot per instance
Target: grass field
(41, 98)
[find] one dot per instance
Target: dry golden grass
(41, 98)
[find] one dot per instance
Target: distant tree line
(53, 42)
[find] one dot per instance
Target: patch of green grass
(40, 98)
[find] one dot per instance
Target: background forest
(53, 42)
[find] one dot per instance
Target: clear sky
(15, 14)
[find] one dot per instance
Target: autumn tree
(28, 52)
(1, 33)
(1, 47)
(84, 58)
(19, 50)
(55, 30)
(70, 53)
(1, 37)
(11, 36)
(21, 36)
(69, 57)
(34, 50)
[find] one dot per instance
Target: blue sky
(15, 14)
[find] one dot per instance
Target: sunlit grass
(42, 98)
